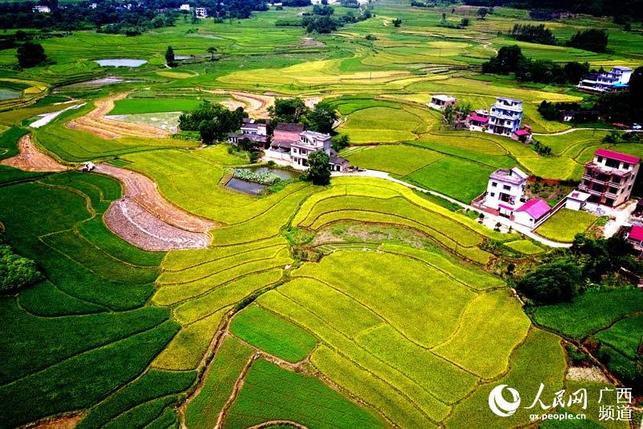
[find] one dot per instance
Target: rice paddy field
(364, 303)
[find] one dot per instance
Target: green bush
(15, 271)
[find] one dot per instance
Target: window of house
(494, 184)
(612, 163)
(506, 187)
(493, 194)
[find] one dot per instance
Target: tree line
(592, 39)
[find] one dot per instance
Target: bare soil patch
(586, 374)
(96, 122)
(129, 220)
(31, 158)
(144, 192)
(65, 422)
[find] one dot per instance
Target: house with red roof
(532, 212)
(635, 237)
(609, 177)
(478, 120)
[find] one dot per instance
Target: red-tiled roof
(478, 118)
(636, 233)
(618, 156)
(536, 208)
(522, 132)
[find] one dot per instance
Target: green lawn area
(399, 160)
(565, 224)
(458, 178)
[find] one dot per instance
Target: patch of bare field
(96, 122)
(142, 190)
(129, 220)
(586, 374)
(65, 422)
(32, 159)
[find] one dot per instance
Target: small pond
(246, 179)
(8, 93)
(120, 62)
(245, 187)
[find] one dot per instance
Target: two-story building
(441, 101)
(609, 177)
(201, 12)
(505, 116)
(287, 150)
(505, 191)
(255, 132)
(613, 80)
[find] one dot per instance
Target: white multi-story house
(200, 12)
(296, 153)
(505, 116)
(185, 7)
(618, 77)
(441, 101)
(506, 191)
(41, 9)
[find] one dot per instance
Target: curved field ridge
(96, 123)
(32, 159)
(181, 229)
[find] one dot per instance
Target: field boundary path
(31, 158)
(146, 219)
(498, 219)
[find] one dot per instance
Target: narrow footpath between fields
(499, 219)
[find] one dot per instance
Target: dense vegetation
(16, 272)
(212, 121)
(320, 118)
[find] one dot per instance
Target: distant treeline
(111, 16)
(590, 40)
(322, 21)
(632, 9)
(511, 60)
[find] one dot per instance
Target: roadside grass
(272, 393)
(273, 334)
(565, 224)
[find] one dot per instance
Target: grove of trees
(213, 121)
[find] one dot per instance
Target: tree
(15, 271)
(340, 142)
(508, 59)
(212, 50)
(552, 282)
(464, 22)
(590, 40)
(169, 57)
(321, 118)
(286, 110)
(30, 54)
(397, 22)
(482, 12)
(318, 168)
(208, 131)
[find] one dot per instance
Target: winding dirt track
(95, 122)
(31, 159)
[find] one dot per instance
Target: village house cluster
(614, 80)
(606, 185)
(289, 144)
(503, 118)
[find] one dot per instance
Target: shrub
(590, 40)
(552, 282)
(15, 271)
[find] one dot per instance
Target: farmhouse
(505, 116)
(522, 135)
(532, 212)
(252, 131)
(441, 101)
(201, 12)
(635, 237)
(505, 192)
(184, 7)
(478, 120)
(41, 9)
(609, 177)
(295, 153)
(617, 78)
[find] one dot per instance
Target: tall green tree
(16, 272)
(318, 168)
(321, 118)
(287, 110)
(170, 60)
(30, 54)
